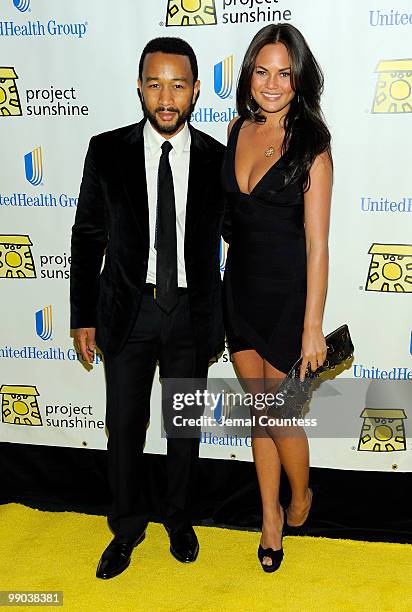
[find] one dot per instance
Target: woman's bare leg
(250, 368)
(293, 452)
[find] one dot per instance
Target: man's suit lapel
(134, 172)
(132, 163)
(198, 169)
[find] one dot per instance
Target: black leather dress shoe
(116, 557)
(184, 545)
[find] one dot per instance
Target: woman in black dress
(278, 177)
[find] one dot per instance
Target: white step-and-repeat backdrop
(68, 70)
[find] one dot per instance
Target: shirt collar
(153, 140)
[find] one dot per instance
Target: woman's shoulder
(323, 161)
(238, 120)
(231, 124)
(240, 123)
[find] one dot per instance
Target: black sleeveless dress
(265, 275)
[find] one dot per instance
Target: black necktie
(166, 242)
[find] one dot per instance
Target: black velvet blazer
(112, 226)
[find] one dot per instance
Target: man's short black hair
(173, 46)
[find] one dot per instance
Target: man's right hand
(84, 342)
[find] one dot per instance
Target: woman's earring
(253, 105)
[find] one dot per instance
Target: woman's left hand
(313, 350)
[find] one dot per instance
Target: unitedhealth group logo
(22, 5)
(33, 163)
(44, 322)
(223, 77)
(223, 85)
(33, 166)
(34, 27)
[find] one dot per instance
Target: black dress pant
(169, 340)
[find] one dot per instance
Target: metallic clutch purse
(295, 392)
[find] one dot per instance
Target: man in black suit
(151, 207)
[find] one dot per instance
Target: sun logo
(390, 268)
(9, 96)
(383, 430)
(191, 13)
(394, 87)
(16, 259)
(19, 405)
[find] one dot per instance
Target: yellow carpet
(59, 551)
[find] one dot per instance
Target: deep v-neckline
(236, 138)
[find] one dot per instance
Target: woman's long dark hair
(306, 134)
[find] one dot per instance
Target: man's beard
(182, 117)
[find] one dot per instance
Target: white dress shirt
(179, 158)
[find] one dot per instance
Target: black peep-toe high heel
(276, 556)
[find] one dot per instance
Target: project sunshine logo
(383, 430)
(390, 269)
(204, 12)
(393, 92)
(19, 405)
(191, 13)
(16, 258)
(9, 95)
(49, 102)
